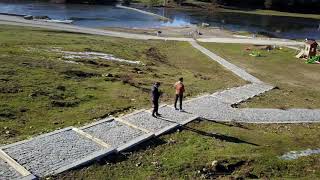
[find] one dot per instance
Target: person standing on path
(155, 93)
(179, 86)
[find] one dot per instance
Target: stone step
(55, 152)
(116, 134)
(144, 120)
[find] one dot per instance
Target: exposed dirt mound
(154, 54)
(7, 113)
(61, 88)
(225, 168)
(8, 132)
(39, 92)
(79, 74)
(200, 76)
(8, 87)
(65, 103)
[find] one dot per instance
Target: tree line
(287, 5)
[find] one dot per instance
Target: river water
(111, 16)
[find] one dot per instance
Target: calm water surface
(110, 16)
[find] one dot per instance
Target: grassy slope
(35, 82)
(182, 154)
(299, 83)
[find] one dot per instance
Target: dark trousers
(180, 97)
(155, 107)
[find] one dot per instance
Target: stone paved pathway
(71, 147)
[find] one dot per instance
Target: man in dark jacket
(155, 99)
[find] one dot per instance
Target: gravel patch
(7, 172)
(145, 120)
(210, 108)
(45, 154)
(297, 154)
(113, 133)
(174, 115)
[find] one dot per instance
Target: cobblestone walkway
(71, 147)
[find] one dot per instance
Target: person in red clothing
(179, 93)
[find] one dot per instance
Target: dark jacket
(155, 93)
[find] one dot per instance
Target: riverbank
(193, 5)
(186, 32)
(271, 13)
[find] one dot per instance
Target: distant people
(179, 87)
(159, 33)
(155, 93)
(198, 32)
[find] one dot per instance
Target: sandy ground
(188, 32)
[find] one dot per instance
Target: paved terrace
(68, 148)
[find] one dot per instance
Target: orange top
(179, 87)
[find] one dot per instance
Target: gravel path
(236, 70)
(113, 132)
(214, 111)
(210, 108)
(171, 114)
(43, 155)
(243, 93)
(277, 115)
(145, 120)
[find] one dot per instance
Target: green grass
(184, 154)
(39, 92)
(299, 83)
